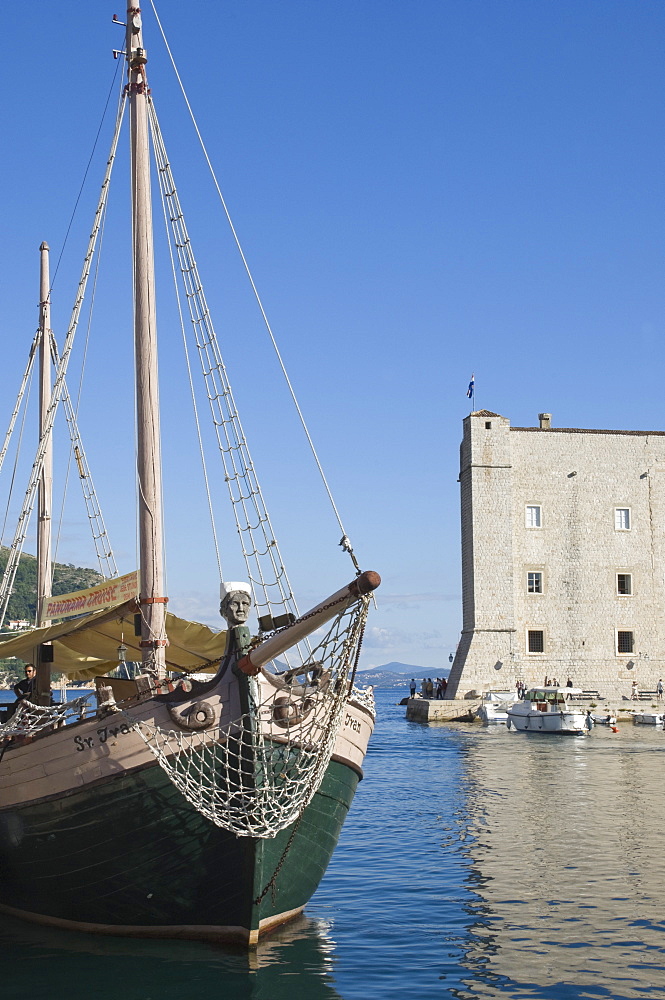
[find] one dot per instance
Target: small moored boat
(493, 709)
(648, 717)
(547, 710)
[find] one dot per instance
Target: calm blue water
(475, 863)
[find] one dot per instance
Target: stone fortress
(563, 557)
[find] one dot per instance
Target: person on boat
(588, 720)
(23, 690)
(412, 688)
(236, 600)
(26, 687)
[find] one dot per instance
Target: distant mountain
(383, 679)
(397, 675)
(66, 578)
(395, 667)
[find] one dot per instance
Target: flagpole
(471, 391)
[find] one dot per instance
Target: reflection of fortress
(567, 862)
(563, 557)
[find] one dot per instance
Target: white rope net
(29, 719)
(255, 776)
(365, 698)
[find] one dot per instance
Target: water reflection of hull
(302, 948)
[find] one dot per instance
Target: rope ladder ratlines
(251, 515)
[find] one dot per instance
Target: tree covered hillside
(66, 578)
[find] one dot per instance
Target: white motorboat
(548, 710)
(494, 707)
(648, 717)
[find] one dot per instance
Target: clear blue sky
(423, 189)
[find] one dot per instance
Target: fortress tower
(563, 557)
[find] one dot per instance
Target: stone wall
(578, 478)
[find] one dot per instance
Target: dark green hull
(132, 856)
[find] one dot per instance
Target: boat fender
(288, 713)
(200, 715)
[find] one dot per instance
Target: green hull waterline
(132, 856)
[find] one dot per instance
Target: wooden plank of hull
(64, 760)
(132, 857)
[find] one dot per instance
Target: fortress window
(624, 584)
(625, 642)
(535, 641)
(533, 518)
(534, 583)
(622, 518)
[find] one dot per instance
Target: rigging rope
(103, 550)
(100, 536)
(344, 542)
(85, 174)
(27, 378)
(190, 378)
(19, 398)
(22, 526)
(247, 500)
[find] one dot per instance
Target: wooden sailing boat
(176, 808)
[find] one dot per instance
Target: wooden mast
(153, 601)
(45, 493)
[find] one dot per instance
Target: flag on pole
(472, 384)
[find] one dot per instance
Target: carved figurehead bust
(235, 603)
